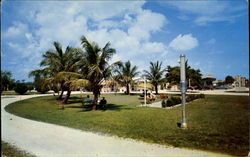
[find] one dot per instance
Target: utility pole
(183, 90)
(145, 103)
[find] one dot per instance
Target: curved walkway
(47, 140)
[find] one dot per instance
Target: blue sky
(212, 34)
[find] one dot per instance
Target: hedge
(174, 100)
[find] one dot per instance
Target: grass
(216, 123)
(9, 150)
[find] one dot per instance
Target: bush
(202, 96)
(170, 102)
(192, 97)
(21, 88)
(163, 103)
(41, 89)
(176, 100)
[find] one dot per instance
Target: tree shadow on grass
(74, 100)
(109, 107)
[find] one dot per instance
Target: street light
(183, 90)
(145, 91)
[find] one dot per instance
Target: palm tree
(125, 74)
(56, 61)
(154, 75)
(94, 65)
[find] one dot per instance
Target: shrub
(176, 100)
(21, 88)
(202, 96)
(192, 97)
(188, 99)
(163, 103)
(169, 102)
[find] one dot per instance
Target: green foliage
(229, 79)
(21, 88)
(173, 75)
(7, 83)
(154, 75)
(39, 84)
(95, 65)
(30, 85)
(202, 96)
(163, 103)
(124, 74)
(192, 97)
(176, 100)
(55, 88)
(170, 102)
(173, 100)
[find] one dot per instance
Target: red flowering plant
(163, 96)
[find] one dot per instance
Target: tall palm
(154, 75)
(125, 74)
(95, 67)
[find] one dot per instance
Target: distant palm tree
(155, 74)
(94, 65)
(125, 74)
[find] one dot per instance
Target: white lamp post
(183, 90)
(145, 103)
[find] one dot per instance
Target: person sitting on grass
(87, 100)
(103, 103)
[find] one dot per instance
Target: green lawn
(216, 123)
(9, 150)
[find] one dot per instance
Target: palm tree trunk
(156, 89)
(128, 92)
(62, 88)
(67, 97)
(96, 94)
(61, 95)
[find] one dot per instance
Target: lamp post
(145, 103)
(183, 90)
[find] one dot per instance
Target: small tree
(21, 88)
(155, 74)
(125, 73)
(229, 79)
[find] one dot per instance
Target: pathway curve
(49, 140)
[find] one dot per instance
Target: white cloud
(184, 42)
(146, 23)
(209, 11)
(201, 7)
(16, 30)
(127, 26)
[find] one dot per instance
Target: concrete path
(48, 140)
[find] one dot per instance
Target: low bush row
(174, 100)
(192, 97)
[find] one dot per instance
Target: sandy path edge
(47, 140)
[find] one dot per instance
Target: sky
(212, 34)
